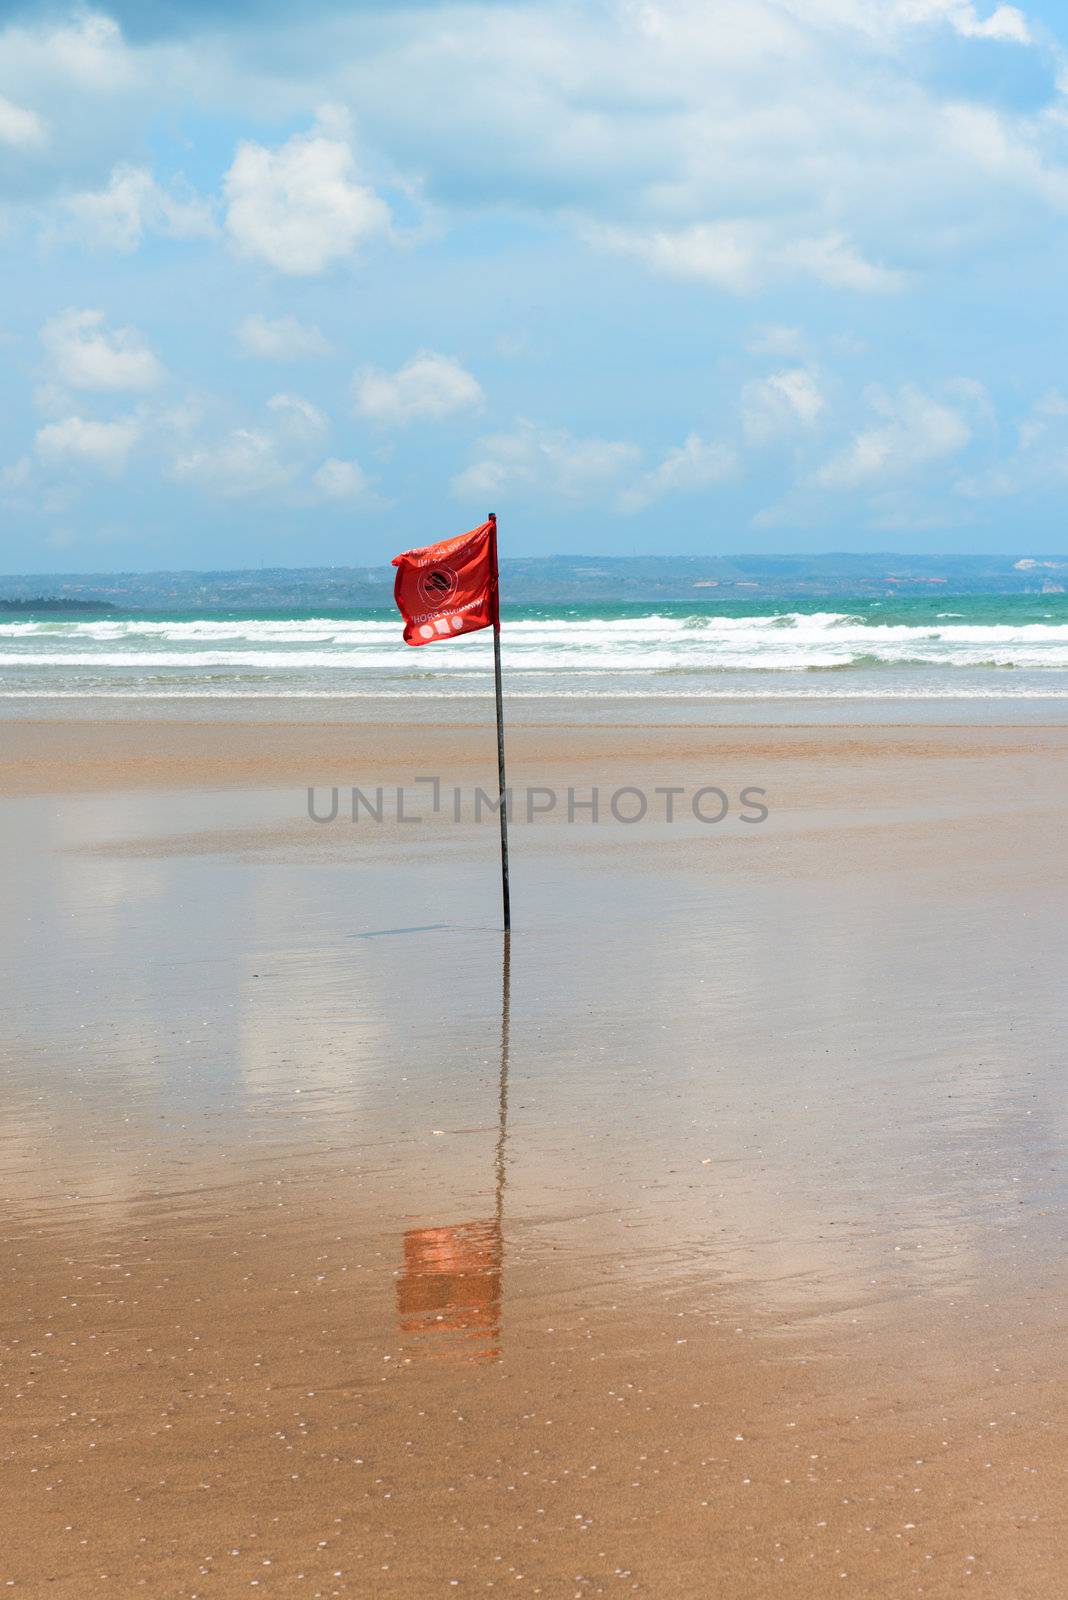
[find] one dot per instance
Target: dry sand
(719, 1251)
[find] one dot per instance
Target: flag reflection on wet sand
(452, 1281)
(451, 1284)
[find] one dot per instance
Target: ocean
(986, 650)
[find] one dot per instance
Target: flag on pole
(449, 588)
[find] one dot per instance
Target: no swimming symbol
(437, 585)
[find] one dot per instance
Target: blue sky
(640, 275)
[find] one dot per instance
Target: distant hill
(550, 580)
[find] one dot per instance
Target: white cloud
(103, 445)
(917, 429)
(739, 143)
(131, 205)
(340, 480)
(694, 465)
(85, 354)
(743, 256)
(724, 254)
(429, 387)
(1045, 414)
(280, 339)
(296, 419)
(265, 458)
(15, 475)
(776, 339)
(83, 55)
(244, 462)
(780, 404)
(90, 51)
(830, 259)
(545, 461)
(1006, 24)
(16, 478)
(651, 116)
(1038, 463)
(22, 129)
(1003, 152)
(299, 207)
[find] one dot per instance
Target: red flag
(449, 588)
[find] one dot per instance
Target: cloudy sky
(309, 284)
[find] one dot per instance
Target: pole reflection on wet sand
(452, 1281)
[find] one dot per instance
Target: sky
(309, 285)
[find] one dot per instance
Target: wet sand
(713, 1246)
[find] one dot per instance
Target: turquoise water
(926, 647)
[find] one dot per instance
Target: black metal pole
(500, 730)
(499, 1163)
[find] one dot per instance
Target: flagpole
(500, 725)
(500, 1167)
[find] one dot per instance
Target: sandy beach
(712, 1244)
(664, 401)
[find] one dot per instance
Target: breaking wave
(558, 652)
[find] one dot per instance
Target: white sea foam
(736, 653)
(683, 632)
(674, 656)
